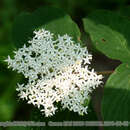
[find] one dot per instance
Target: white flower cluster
(57, 71)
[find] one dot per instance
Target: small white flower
(20, 87)
(57, 71)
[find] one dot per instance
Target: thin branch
(105, 72)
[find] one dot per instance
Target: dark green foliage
(109, 33)
(116, 101)
(49, 18)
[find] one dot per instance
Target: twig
(105, 72)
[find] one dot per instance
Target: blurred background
(11, 108)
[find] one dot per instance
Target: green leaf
(8, 103)
(52, 19)
(109, 33)
(116, 100)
